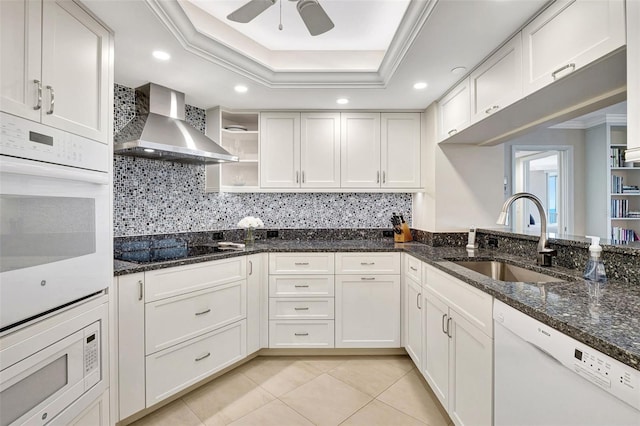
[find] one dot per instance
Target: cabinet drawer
(301, 334)
(164, 283)
(173, 320)
(301, 286)
(473, 304)
(301, 308)
(368, 263)
(178, 367)
(413, 268)
(301, 263)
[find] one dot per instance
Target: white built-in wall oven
(55, 268)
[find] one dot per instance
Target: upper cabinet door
(20, 35)
(400, 142)
(454, 111)
(497, 83)
(280, 149)
(75, 71)
(569, 35)
(320, 150)
(360, 146)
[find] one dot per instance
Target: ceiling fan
(312, 14)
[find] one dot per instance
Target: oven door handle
(35, 168)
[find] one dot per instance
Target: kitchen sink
(502, 271)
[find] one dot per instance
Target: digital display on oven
(40, 138)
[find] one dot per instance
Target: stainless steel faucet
(544, 253)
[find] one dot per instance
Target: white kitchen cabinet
(96, 414)
(292, 334)
(400, 150)
(280, 150)
(55, 66)
(497, 82)
(368, 263)
(454, 111)
(301, 263)
(413, 320)
(320, 150)
(257, 302)
(360, 150)
(367, 311)
(458, 350)
(131, 345)
(569, 35)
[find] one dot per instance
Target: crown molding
(613, 119)
(175, 19)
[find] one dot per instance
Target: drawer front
(301, 308)
(473, 304)
(301, 286)
(300, 334)
(301, 263)
(174, 320)
(164, 283)
(178, 367)
(413, 268)
(368, 263)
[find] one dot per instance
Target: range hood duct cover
(160, 132)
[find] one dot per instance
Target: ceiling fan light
(314, 17)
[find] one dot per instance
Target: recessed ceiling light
(458, 70)
(342, 101)
(420, 85)
(159, 54)
(149, 150)
(241, 89)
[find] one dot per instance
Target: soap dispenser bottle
(594, 271)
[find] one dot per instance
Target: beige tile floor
(291, 391)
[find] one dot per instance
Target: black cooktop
(154, 251)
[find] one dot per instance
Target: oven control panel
(91, 355)
(34, 141)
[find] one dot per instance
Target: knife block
(405, 236)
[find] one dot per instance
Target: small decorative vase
(249, 237)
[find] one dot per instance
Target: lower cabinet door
(413, 320)
(301, 334)
(96, 414)
(180, 366)
(471, 358)
(435, 363)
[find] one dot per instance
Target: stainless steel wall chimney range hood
(159, 131)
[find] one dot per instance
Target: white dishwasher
(544, 377)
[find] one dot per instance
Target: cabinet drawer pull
(378, 177)
(418, 296)
(301, 309)
(301, 263)
(367, 278)
(301, 334)
(200, 358)
(413, 269)
(52, 102)
(38, 84)
(449, 327)
(206, 311)
(250, 268)
(297, 177)
(301, 286)
(452, 131)
(572, 66)
(444, 316)
(367, 263)
(303, 176)
(490, 110)
(140, 289)
(384, 177)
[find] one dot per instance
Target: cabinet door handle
(490, 110)
(301, 263)
(250, 268)
(200, 358)
(301, 334)
(378, 177)
(418, 296)
(367, 278)
(140, 290)
(301, 286)
(452, 131)
(449, 327)
(413, 269)
(443, 321)
(303, 176)
(38, 84)
(301, 309)
(367, 263)
(52, 102)
(297, 177)
(384, 177)
(206, 311)
(572, 66)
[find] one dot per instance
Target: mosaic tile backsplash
(158, 197)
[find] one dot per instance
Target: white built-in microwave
(55, 226)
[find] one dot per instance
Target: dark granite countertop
(608, 320)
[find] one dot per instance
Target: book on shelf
(622, 235)
(619, 208)
(616, 157)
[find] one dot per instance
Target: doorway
(545, 172)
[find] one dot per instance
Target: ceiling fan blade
(250, 10)
(314, 17)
